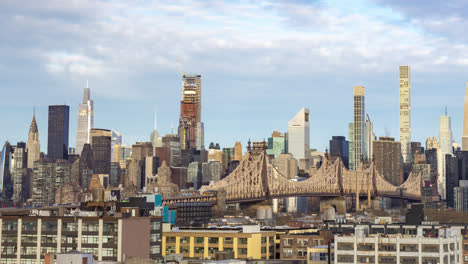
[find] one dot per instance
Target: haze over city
(260, 62)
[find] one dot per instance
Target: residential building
(57, 139)
(359, 128)
(85, 120)
(294, 246)
(190, 124)
(351, 146)
(387, 159)
(299, 138)
(248, 242)
(405, 113)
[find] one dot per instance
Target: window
(263, 250)
(185, 240)
(170, 239)
(213, 240)
(287, 252)
(288, 241)
(109, 252)
(85, 239)
(228, 240)
(242, 251)
(155, 225)
(170, 250)
(242, 240)
(49, 226)
(199, 240)
(184, 249)
(212, 250)
(199, 250)
(264, 240)
(155, 249)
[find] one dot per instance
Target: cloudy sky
(260, 61)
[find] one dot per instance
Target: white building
(405, 113)
(85, 121)
(299, 136)
(445, 135)
(398, 248)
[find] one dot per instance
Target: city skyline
(232, 88)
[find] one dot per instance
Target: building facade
(57, 138)
(85, 120)
(387, 159)
(405, 113)
(358, 132)
(299, 137)
(101, 146)
(29, 239)
(339, 147)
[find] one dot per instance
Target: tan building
(237, 151)
(295, 246)
(286, 164)
(405, 113)
(248, 242)
(387, 159)
(117, 152)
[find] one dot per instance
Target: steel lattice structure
(256, 179)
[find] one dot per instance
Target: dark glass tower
(339, 146)
(57, 140)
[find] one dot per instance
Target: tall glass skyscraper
(57, 139)
(405, 113)
(85, 120)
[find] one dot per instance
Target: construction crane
(180, 68)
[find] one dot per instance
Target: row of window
(214, 240)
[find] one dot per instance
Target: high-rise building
(299, 136)
(19, 173)
(155, 138)
(387, 159)
(461, 196)
(101, 146)
(276, 144)
(43, 184)
(351, 146)
(339, 147)
(286, 165)
(405, 113)
(85, 120)
(86, 166)
(116, 138)
(359, 128)
(57, 139)
(370, 137)
(33, 146)
(465, 122)
(172, 142)
(237, 151)
(190, 124)
(445, 134)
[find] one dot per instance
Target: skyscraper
(19, 172)
(237, 151)
(298, 137)
(465, 122)
(370, 137)
(57, 140)
(339, 147)
(101, 147)
(191, 127)
(85, 120)
(445, 134)
(155, 138)
(351, 146)
(405, 113)
(33, 146)
(359, 128)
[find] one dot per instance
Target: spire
(86, 93)
(33, 126)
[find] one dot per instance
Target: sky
(260, 61)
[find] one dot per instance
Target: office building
(445, 134)
(86, 168)
(442, 246)
(461, 196)
(116, 139)
(193, 214)
(194, 175)
(57, 139)
(211, 172)
(405, 113)
(33, 146)
(19, 173)
(200, 144)
(249, 242)
(6, 184)
(358, 143)
(85, 120)
(115, 173)
(28, 239)
(339, 147)
(172, 142)
(298, 138)
(101, 147)
(276, 144)
(387, 159)
(43, 184)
